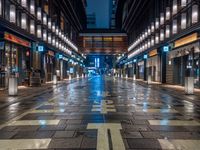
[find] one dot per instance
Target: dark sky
(101, 9)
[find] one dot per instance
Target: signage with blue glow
(134, 60)
(166, 49)
(145, 56)
(40, 48)
(60, 56)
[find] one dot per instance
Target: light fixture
(195, 14)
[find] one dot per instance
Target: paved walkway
(102, 113)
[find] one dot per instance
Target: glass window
(32, 27)
(195, 13)
(32, 7)
(174, 26)
(39, 13)
(183, 21)
(175, 7)
(12, 13)
(39, 31)
(24, 3)
(23, 21)
(0, 7)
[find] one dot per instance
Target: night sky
(101, 9)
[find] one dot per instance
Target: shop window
(23, 21)
(195, 14)
(32, 7)
(12, 13)
(32, 27)
(183, 21)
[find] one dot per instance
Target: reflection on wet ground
(101, 113)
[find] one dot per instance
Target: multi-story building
(39, 36)
(163, 38)
(91, 21)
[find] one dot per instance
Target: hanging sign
(17, 40)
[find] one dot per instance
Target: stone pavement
(105, 114)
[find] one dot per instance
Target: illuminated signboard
(60, 56)
(153, 52)
(186, 40)
(145, 56)
(40, 48)
(166, 49)
(17, 40)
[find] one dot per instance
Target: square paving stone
(6, 135)
(64, 134)
(89, 142)
(143, 144)
(34, 135)
(127, 134)
(66, 143)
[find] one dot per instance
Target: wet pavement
(101, 113)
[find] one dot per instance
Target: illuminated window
(157, 23)
(183, 21)
(49, 38)
(174, 27)
(39, 31)
(49, 23)
(152, 27)
(175, 7)
(32, 27)
(46, 8)
(195, 14)
(39, 13)
(162, 18)
(167, 13)
(23, 21)
(152, 41)
(12, 13)
(167, 31)
(44, 18)
(32, 7)
(161, 35)
(53, 27)
(24, 3)
(157, 38)
(45, 35)
(183, 3)
(54, 41)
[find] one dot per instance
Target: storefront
(141, 69)
(49, 65)
(153, 65)
(184, 59)
(15, 59)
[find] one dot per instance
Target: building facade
(38, 38)
(163, 40)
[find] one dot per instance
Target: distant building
(91, 20)
(113, 6)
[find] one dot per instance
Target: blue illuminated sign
(60, 56)
(166, 49)
(134, 60)
(145, 56)
(40, 48)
